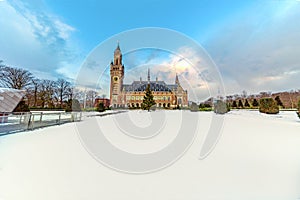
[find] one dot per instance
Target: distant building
(105, 101)
(131, 95)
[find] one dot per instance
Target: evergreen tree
(234, 105)
(148, 100)
(278, 101)
(255, 103)
(240, 104)
(247, 103)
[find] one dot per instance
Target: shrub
(268, 106)
(205, 107)
(220, 107)
(100, 107)
(194, 107)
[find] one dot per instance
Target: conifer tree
(247, 103)
(148, 100)
(278, 101)
(255, 103)
(240, 104)
(234, 104)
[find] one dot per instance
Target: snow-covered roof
(9, 99)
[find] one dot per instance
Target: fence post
(59, 116)
(20, 122)
(32, 122)
(41, 117)
(29, 121)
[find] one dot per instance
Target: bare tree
(90, 97)
(46, 93)
(16, 78)
(62, 88)
(34, 89)
(77, 94)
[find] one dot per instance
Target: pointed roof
(118, 50)
(177, 80)
(118, 47)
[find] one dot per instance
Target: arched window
(179, 101)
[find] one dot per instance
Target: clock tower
(116, 78)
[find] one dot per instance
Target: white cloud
(35, 39)
(259, 52)
(164, 66)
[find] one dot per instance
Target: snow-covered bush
(194, 107)
(220, 107)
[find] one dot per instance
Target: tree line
(45, 93)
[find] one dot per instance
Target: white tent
(9, 99)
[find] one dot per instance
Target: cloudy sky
(254, 44)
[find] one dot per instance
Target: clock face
(115, 78)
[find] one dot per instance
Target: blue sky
(255, 44)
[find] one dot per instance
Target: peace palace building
(131, 95)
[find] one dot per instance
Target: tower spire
(118, 55)
(177, 80)
(148, 75)
(118, 46)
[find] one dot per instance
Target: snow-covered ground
(257, 157)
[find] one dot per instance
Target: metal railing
(15, 122)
